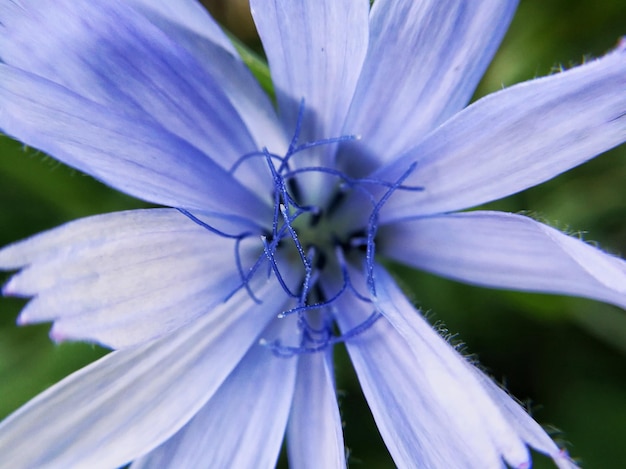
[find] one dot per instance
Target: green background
(566, 357)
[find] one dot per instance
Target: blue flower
(223, 310)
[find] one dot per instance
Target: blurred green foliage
(566, 356)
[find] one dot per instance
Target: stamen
(373, 227)
(344, 271)
(294, 236)
(283, 197)
(296, 132)
(238, 239)
(316, 143)
(311, 334)
(294, 148)
(263, 153)
(353, 182)
(208, 227)
(347, 285)
(360, 328)
(287, 351)
(310, 300)
(245, 279)
(269, 252)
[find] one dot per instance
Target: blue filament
(269, 252)
(355, 182)
(346, 285)
(263, 153)
(288, 220)
(287, 209)
(208, 227)
(373, 227)
(287, 351)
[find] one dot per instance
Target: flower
(223, 310)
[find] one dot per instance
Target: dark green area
(565, 356)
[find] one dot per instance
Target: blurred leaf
(257, 65)
(605, 322)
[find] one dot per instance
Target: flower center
(308, 246)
